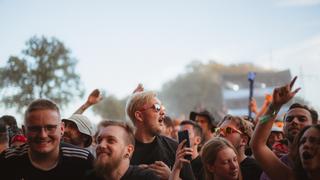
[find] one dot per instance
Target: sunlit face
(234, 137)
(153, 118)
(203, 123)
(309, 150)
(44, 131)
(111, 148)
(226, 165)
(295, 120)
(71, 134)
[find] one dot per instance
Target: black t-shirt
(161, 149)
(73, 163)
(197, 168)
(250, 169)
(133, 173)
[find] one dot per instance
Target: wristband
(267, 117)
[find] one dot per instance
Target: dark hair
(41, 104)
(128, 129)
(167, 121)
(298, 169)
(197, 129)
(313, 113)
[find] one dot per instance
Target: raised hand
(139, 88)
(282, 95)
(94, 97)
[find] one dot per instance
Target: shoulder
(135, 172)
(71, 151)
(169, 141)
(13, 153)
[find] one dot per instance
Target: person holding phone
(195, 138)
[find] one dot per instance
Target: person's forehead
(311, 132)
(188, 127)
(226, 153)
(45, 116)
(229, 123)
(202, 118)
(111, 130)
(298, 112)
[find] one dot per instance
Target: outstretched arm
(266, 158)
(94, 97)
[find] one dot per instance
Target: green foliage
(200, 87)
(46, 70)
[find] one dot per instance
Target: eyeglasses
(50, 129)
(156, 107)
(227, 130)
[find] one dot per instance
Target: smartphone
(182, 135)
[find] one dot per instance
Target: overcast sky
(121, 43)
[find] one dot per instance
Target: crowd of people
(147, 146)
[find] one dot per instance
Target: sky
(121, 43)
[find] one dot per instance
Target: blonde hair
(137, 101)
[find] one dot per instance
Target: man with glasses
(239, 131)
(44, 156)
(152, 150)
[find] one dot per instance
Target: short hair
(245, 126)
(41, 104)
(210, 151)
(128, 129)
(137, 101)
(313, 113)
(298, 169)
(197, 129)
(9, 120)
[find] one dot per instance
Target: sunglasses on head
(227, 130)
(156, 107)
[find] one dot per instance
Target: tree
(46, 70)
(111, 107)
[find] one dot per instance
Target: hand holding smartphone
(182, 135)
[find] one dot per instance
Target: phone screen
(182, 135)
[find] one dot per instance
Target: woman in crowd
(305, 152)
(219, 158)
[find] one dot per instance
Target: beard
(77, 141)
(104, 167)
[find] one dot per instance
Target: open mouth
(306, 155)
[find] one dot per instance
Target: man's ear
(244, 140)
(197, 140)
(62, 128)
(138, 116)
(130, 149)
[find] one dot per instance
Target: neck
(242, 156)
(208, 136)
(119, 172)
(44, 161)
(143, 137)
(195, 153)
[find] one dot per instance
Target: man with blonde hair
(152, 150)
